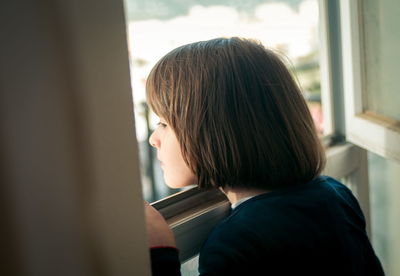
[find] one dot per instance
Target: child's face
(176, 173)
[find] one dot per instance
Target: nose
(154, 141)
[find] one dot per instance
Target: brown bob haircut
(238, 114)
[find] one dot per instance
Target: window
(381, 42)
(157, 26)
(370, 61)
(370, 75)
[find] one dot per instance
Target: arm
(163, 252)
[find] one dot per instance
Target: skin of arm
(158, 232)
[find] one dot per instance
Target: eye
(162, 125)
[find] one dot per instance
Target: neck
(236, 194)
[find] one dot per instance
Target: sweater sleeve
(165, 261)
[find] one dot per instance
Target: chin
(177, 184)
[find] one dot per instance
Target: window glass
(157, 26)
(382, 44)
(190, 267)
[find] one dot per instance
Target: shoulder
(249, 234)
(340, 193)
(273, 207)
(301, 221)
(345, 200)
(277, 214)
(235, 242)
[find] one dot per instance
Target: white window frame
(364, 128)
(327, 83)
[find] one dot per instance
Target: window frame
(371, 131)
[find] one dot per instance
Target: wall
(70, 188)
(384, 177)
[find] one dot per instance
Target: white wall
(384, 178)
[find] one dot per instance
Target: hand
(158, 231)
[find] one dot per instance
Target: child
(233, 118)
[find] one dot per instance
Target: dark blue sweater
(315, 228)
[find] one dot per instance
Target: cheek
(176, 180)
(177, 174)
